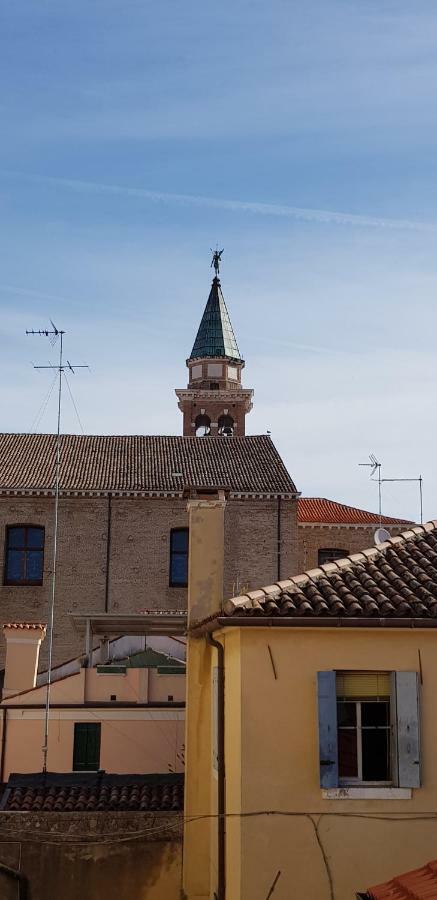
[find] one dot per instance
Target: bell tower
(215, 402)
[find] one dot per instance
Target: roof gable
(319, 510)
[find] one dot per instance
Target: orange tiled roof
(25, 625)
(142, 463)
(86, 792)
(394, 580)
(319, 510)
(420, 884)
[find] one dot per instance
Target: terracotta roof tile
(318, 510)
(397, 579)
(90, 792)
(137, 463)
(420, 884)
(25, 625)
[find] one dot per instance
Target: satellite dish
(381, 535)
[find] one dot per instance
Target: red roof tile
(394, 580)
(93, 792)
(143, 464)
(25, 625)
(420, 884)
(319, 510)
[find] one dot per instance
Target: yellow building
(310, 771)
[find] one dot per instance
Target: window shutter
(328, 751)
(408, 736)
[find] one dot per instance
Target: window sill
(367, 793)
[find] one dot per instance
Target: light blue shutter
(328, 750)
(408, 734)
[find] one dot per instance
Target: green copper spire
(215, 336)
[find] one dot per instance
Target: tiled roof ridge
(361, 516)
(143, 464)
(26, 625)
(384, 593)
(418, 883)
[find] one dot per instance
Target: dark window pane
(34, 565)
(375, 714)
(179, 569)
(35, 538)
(376, 754)
(15, 565)
(179, 540)
(86, 750)
(347, 753)
(346, 713)
(16, 537)
(330, 554)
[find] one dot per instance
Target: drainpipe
(279, 538)
(108, 552)
(3, 750)
(221, 787)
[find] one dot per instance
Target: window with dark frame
(179, 557)
(24, 554)
(86, 746)
(330, 554)
(369, 732)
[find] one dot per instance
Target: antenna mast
(53, 334)
(375, 466)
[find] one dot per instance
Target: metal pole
(55, 554)
(379, 495)
(421, 499)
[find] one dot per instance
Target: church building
(123, 527)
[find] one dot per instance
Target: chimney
(23, 640)
(206, 515)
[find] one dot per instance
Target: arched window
(24, 556)
(330, 554)
(203, 425)
(226, 425)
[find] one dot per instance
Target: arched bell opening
(226, 426)
(202, 425)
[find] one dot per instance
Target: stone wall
(116, 856)
(115, 555)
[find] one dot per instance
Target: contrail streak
(322, 216)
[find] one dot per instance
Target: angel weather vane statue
(216, 260)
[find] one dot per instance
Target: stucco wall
(138, 573)
(280, 767)
(91, 855)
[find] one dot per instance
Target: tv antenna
(53, 334)
(375, 467)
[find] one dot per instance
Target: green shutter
(86, 750)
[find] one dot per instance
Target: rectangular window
(369, 729)
(86, 748)
(330, 554)
(179, 557)
(24, 554)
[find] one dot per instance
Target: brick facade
(350, 538)
(114, 554)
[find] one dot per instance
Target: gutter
(3, 748)
(260, 621)
(221, 787)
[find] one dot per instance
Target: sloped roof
(215, 336)
(319, 510)
(395, 580)
(93, 792)
(143, 464)
(420, 884)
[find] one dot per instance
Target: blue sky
(302, 138)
